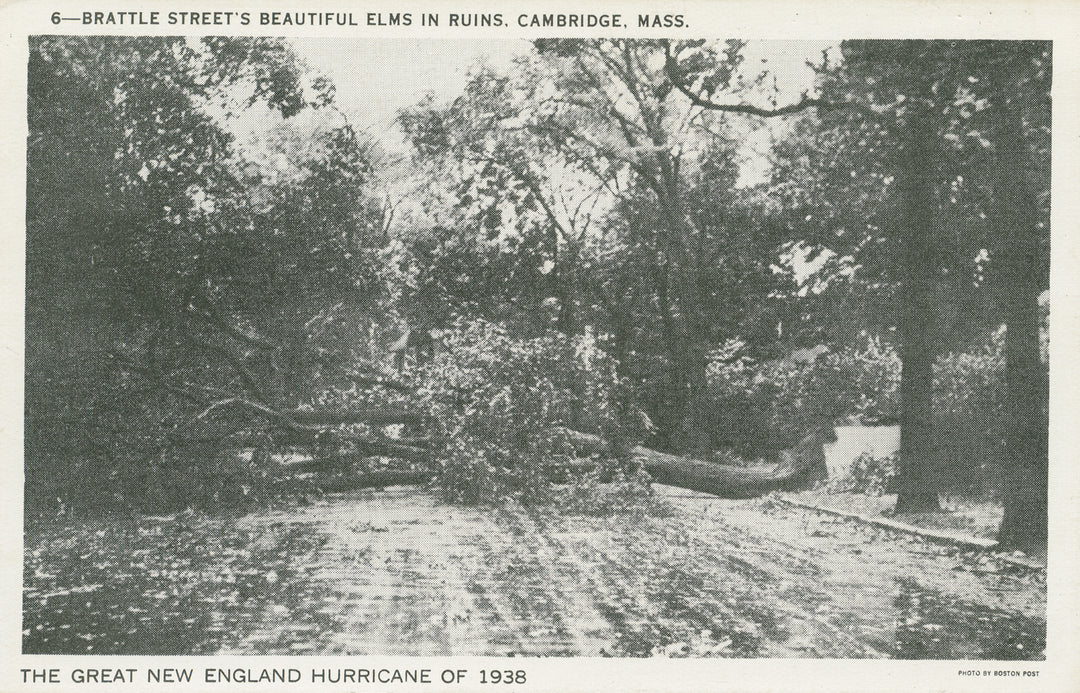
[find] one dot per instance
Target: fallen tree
(797, 468)
(358, 435)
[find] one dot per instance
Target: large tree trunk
(1024, 525)
(798, 468)
(916, 477)
(721, 480)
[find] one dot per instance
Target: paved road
(395, 572)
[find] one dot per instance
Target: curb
(932, 534)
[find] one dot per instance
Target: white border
(833, 20)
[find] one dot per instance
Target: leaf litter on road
(396, 572)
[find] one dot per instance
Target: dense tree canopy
(588, 129)
(159, 259)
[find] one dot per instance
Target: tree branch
(372, 416)
(748, 109)
(369, 445)
(676, 78)
(247, 377)
(671, 69)
(208, 312)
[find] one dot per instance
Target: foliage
(626, 494)
(124, 123)
(762, 407)
(510, 210)
(840, 172)
(869, 475)
(740, 288)
(503, 404)
(843, 176)
(584, 210)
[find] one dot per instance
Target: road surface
(396, 572)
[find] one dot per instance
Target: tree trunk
(798, 468)
(668, 402)
(567, 291)
(725, 481)
(695, 428)
(916, 478)
(1024, 525)
(684, 426)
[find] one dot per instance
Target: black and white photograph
(553, 347)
